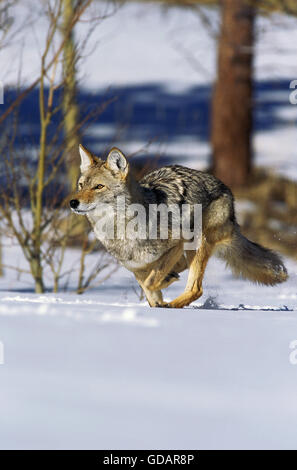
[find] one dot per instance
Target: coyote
(156, 263)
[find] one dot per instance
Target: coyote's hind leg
(217, 228)
(198, 261)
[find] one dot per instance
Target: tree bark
(232, 97)
(70, 107)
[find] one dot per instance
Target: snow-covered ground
(103, 370)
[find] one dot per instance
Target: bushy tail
(252, 261)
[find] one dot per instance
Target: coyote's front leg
(154, 298)
(161, 275)
(173, 276)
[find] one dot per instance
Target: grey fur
(157, 262)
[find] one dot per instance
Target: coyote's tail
(252, 261)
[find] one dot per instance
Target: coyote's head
(100, 181)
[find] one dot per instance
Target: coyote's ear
(87, 159)
(117, 163)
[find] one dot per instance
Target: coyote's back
(178, 184)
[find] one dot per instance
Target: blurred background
(206, 84)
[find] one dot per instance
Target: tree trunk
(70, 108)
(37, 273)
(232, 98)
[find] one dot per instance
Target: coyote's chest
(136, 254)
(133, 252)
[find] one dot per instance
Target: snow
(201, 379)
(105, 371)
(139, 43)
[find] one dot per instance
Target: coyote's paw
(163, 305)
(186, 298)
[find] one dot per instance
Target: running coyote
(157, 261)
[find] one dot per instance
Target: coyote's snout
(155, 261)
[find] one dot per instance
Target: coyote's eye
(99, 186)
(80, 185)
